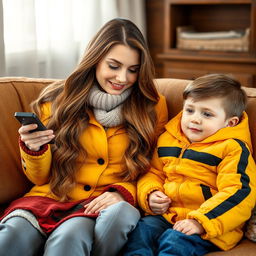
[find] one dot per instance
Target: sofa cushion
(244, 248)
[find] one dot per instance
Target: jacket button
(101, 161)
(87, 187)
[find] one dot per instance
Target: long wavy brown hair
(70, 104)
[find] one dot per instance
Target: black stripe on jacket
(202, 157)
(169, 151)
(190, 154)
(242, 193)
(206, 191)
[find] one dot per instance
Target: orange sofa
(17, 93)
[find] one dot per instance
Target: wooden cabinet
(204, 16)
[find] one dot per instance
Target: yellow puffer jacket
(213, 181)
(105, 150)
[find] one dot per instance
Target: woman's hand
(158, 202)
(102, 202)
(35, 140)
(189, 227)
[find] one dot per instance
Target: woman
(104, 118)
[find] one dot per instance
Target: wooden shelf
(210, 2)
(207, 16)
(204, 16)
(192, 55)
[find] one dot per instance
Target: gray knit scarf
(107, 107)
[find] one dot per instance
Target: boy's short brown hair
(219, 86)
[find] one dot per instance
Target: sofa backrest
(17, 93)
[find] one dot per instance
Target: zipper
(178, 187)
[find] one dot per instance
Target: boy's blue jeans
(154, 236)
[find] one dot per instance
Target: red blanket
(49, 213)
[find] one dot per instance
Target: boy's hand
(158, 202)
(189, 227)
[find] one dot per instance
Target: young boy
(202, 185)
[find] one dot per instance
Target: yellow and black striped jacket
(212, 181)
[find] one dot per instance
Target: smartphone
(31, 118)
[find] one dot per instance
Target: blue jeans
(154, 236)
